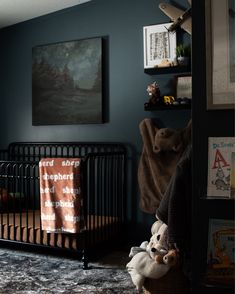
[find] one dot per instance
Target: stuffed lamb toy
(151, 259)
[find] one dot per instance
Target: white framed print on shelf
(220, 151)
(159, 46)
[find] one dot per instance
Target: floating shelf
(167, 107)
(168, 70)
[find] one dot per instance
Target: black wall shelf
(167, 107)
(168, 70)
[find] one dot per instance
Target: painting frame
(220, 56)
(67, 82)
(157, 37)
(183, 86)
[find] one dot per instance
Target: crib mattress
(25, 227)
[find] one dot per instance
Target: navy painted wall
(121, 24)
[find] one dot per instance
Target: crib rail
(35, 151)
(103, 188)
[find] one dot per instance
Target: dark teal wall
(121, 24)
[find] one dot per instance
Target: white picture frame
(220, 151)
(220, 54)
(159, 44)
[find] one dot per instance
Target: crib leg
(85, 260)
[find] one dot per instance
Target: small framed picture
(220, 167)
(159, 46)
(184, 87)
(220, 252)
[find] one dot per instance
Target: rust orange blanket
(60, 195)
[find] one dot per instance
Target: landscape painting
(67, 83)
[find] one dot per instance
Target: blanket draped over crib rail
(60, 195)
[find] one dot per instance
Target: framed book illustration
(220, 151)
(221, 252)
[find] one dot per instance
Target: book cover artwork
(221, 252)
(219, 166)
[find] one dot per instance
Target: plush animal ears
(158, 226)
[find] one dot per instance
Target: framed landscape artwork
(220, 57)
(67, 83)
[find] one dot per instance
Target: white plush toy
(151, 259)
(158, 242)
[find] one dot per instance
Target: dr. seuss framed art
(220, 167)
(159, 46)
(220, 54)
(67, 83)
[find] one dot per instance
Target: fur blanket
(162, 149)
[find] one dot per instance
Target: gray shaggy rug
(29, 273)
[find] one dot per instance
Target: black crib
(103, 186)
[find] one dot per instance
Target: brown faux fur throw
(162, 149)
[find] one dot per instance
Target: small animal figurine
(154, 93)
